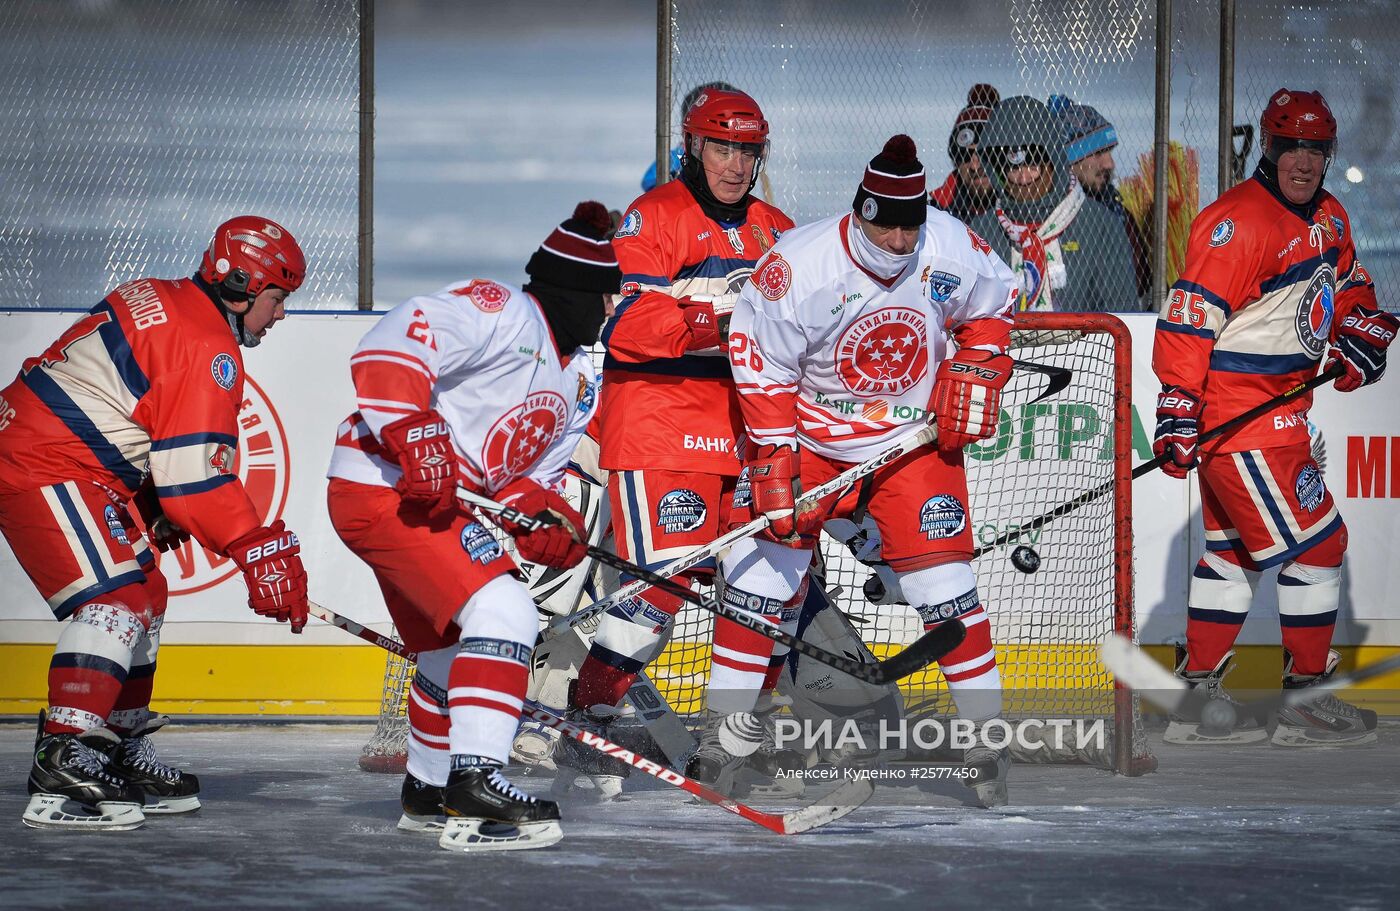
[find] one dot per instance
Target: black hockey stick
(1059, 377)
(1153, 464)
(830, 808)
(926, 649)
(1139, 671)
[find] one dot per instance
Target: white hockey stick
(840, 802)
(900, 448)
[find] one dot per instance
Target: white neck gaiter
(883, 263)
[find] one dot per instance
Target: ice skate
(485, 812)
(167, 790)
(534, 745)
(726, 743)
(1327, 721)
(72, 785)
(1247, 728)
(987, 770)
(583, 768)
(422, 806)
(769, 772)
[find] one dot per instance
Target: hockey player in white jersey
(851, 331)
(489, 387)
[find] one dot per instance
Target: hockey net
(1046, 624)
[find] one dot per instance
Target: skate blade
(1187, 733)
(410, 823)
(469, 836)
(576, 785)
(51, 811)
(991, 795)
(170, 806)
(1289, 736)
(761, 787)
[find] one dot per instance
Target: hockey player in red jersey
(840, 344)
(668, 417)
(489, 387)
(1271, 285)
(138, 400)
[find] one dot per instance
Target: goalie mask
(247, 255)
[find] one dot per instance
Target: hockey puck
(1025, 559)
(1218, 716)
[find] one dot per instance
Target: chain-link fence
(130, 128)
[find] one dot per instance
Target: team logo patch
(774, 277)
(479, 544)
(629, 289)
(586, 395)
(1310, 488)
(631, 224)
(942, 516)
(776, 234)
(488, 296)
(642, 612)
(760, 238)
(1340, 226)
(114, 524)
(1314, 322)
(743, 494)
(962, 604)
(520, 436)
(884, 352)
(225, 370)
(869, 209)
(1220, 235)
(223, 459)
(978, 244)
(680, 510)
(941, 286)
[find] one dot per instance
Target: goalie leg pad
(627, 639)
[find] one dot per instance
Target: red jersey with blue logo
(663, 406)
(148, 383)
(1251, 316)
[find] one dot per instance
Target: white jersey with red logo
(830, 357)
(482, 355)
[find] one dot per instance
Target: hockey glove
(422, 445)
(272, 568)
(163, 534)
(775, 483)
(1360, 345)
(1178, 424)
(967, 396)
(708, 322)
(560, 545)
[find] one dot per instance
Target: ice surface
(290, 822)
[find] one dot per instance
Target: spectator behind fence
(968, 191)
(1069, 252)
(1089, 143)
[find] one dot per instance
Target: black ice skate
(771, 772)
(1326, 721)
(485, 812)
(987, 769)
(727, 741)
(422, 805)
(582, 767)
(1247, 727)
(72, 785)
(166, 790)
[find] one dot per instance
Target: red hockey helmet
(726, 116)
(249, 253)
(1295, 119)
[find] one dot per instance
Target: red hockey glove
(708, 323)
(272, 568)
(967, 396)
(775, 483)
(1360, 344)
(1178, 424)
(560, 546)
(422, 444)
(163, 534)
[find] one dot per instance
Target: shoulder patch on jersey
(942, 516)
(776, 234)
(631, 224)
(774, 278)
(764, 244)
(1315, 310)
(941, 285)
(225, 370)
(978, 244)
(488, 296)
(884, 352)
(1220, 235)
(583, 400)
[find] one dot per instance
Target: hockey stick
(1153, 464)
(1139, 671)
(840, 802)
(1059, 378)
(926, 649)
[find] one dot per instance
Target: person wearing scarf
(1069, 252)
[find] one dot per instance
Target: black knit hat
(893, 191)
(578, 254)
(967, 128)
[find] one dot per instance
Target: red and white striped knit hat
(893, 191)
